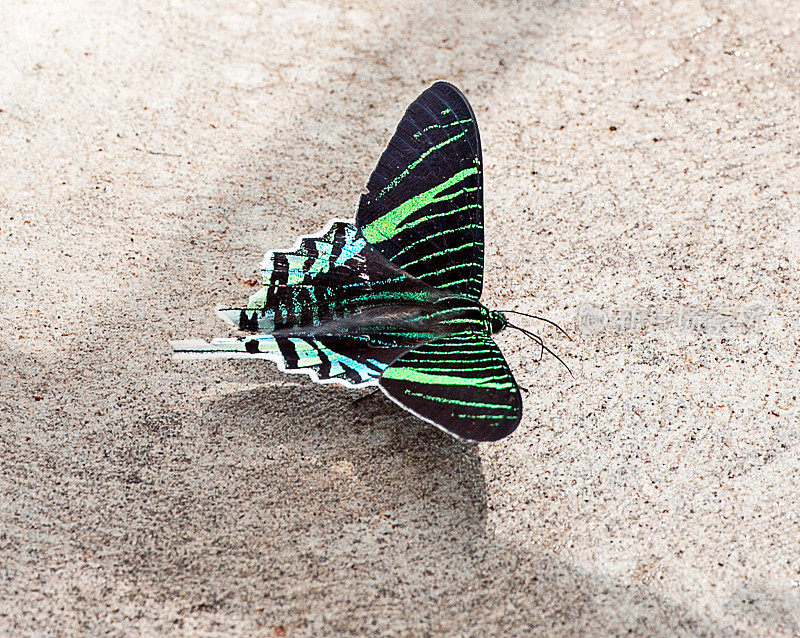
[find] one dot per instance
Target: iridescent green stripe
(458, 229)
(457, 282)
(441, 271)
(462, 339)
(388, 225)
(417, 161)
(430, 368)
(432, 126)
(471, 404)
(438, 253)
(413, 375)
(446, 213)
(476, 322)
(450, 351)
(498, 417)
(410, 359)
(391, 296)
(410, 334)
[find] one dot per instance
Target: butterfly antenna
(538, 340)
(552, 323)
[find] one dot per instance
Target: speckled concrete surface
(642, 173)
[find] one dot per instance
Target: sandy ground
(643, 179)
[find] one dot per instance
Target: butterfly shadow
(371, 512)
(390, 459)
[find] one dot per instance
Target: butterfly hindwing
(460, 383)
(349, 360)
(424, 205)
(326, 277)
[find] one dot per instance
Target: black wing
(424, 205)
(460, 383)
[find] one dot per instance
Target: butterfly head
(497, 321)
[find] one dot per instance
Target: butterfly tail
(188, 349)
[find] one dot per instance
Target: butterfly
(393, 299)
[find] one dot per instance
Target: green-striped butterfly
(393, 300)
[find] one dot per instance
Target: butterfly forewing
(460, 383)
(424, 205)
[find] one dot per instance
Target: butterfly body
(393, 299)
